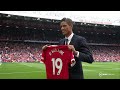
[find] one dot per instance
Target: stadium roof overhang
(96, 17)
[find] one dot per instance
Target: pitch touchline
(29, 65)
(22, 72)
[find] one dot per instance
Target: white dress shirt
(69, 40)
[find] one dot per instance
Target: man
(79, 47)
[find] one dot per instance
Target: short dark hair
(68, 21)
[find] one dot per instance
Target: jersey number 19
(57, 64)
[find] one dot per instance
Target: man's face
(65, 28)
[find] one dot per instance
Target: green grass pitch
(97, 70)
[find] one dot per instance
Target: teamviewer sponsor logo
(104, 74)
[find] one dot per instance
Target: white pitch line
(88, 70)
(28, 65)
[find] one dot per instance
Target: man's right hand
(44, 47)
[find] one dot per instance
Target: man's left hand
(71, 47)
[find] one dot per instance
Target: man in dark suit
(79, 47)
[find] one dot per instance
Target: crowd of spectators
(106, 53)
(31, 52)
(20, 52)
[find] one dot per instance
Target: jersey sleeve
(72, 60)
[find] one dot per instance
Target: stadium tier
(22, 37)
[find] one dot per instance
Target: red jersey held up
(57, 59)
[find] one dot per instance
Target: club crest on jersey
(56, 50)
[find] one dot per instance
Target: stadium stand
(21, 38)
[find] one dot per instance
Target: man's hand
(44, 47)
(71, 47)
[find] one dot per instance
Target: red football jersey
(57, 59)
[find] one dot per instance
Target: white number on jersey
(56, 65)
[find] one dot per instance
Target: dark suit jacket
(85, 55)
